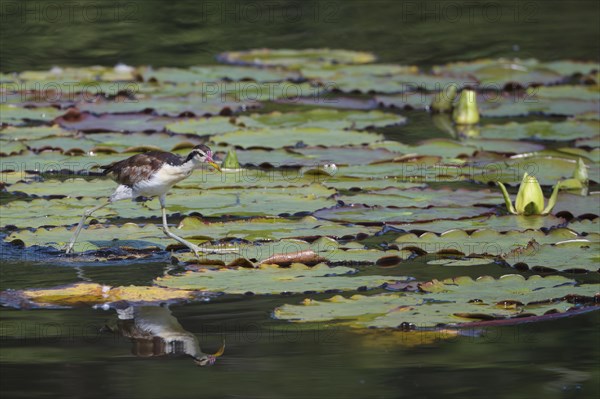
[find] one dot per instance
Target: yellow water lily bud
(530, 198)
(466, 111)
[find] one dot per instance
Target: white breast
(162, 181)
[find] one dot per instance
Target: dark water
(63, 353)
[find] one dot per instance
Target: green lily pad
(288, 251)
(32, 133)
(566, 256)
(13, 115)
(366, 214)
(270, 279)
(320, 156)
(452, 301)
(268, 229)
(482, 242)
(87, 294)
(322, 118)
(88, 122)
(498, 223)
(205, 126)
(378, 78)
(586, 226)
(278, 138)
(95, 237)
(12, 148)
(113, 142)
(578, 205)
(495, 74)
(542, 130)
(295, 58)
(547, 169)
(169, 106)
(414, 170)
(83, 74)
(256, 202)
(215, 73)
(406, 198)
(368, 184)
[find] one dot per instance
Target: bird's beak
(214, 165)
(221, 350)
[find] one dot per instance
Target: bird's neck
(190, 165)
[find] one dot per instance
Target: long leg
(86, 214)
(196, 249)
(122, 192)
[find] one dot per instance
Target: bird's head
(209, 360)
(202, 154)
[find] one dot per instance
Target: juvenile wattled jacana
(151, 174)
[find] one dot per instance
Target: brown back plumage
(140, 167)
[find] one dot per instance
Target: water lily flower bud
(231, 160)
(530, 198)
(466, 111)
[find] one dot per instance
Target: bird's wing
(139, 167)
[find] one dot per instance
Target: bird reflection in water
(154, 331)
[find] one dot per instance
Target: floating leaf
(542, 130)
(452, 301)
(378, 78)
(271, 279)
(495, 74)
(13, 115)
(322, 118)
(367, 214)
(295, 58)
(268, 229)
(215, 73)
(482, 242)
(95, 237)
(498, 223)
(406, 198)
(566, 256)
(86, 294)
(278, 138)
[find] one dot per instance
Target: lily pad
(271, 279)
(215, 73)
(578, 205)
(566, 256)
(278, 138)
(498, 223)
(450, 302)
(95, 237)
(322, 118)
(32, 133)
(586, 226)
(406, 198)
(169, 106)
(257, 202)
(367, 214)
(495, 74)
(482, 242)
(268, 229)
(295, 58)
(287, 251)
(86, 294)
(542, 130)
(379, 78)
(13, 115)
